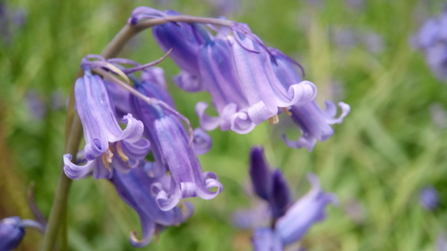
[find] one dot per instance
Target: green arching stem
(73, 128)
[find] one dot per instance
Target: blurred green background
(386, 150)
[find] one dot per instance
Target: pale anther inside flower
(107, 158)
(286, 111)
(120, 152)
(273, 120)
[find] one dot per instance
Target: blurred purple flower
(10, 21)
(302, 215)
(12, 230)
(438, 115)
(260, 174)
(356, 4)
(441, 242)
(351, 37)
(432, 40)
(267, 185)
(107, 145)
(224, 7)
(429, 198)
(288, 222)
(355, 211)
(35, 104)
(256, 216)
(134, 188)
(57, 100)
(265, 239)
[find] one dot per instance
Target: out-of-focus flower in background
(441, 242)
(284, 222)
(429, 198)
(355, 211)
(12, 230)
(10, 21)
(432, 40)
(224, 7)
(35, 105)
(350, 38)
(438, 115)
(356, 4)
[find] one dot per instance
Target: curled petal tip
(331, 112)
(135, 242)
(303, 93)
(202, 141)
(206, 122)
(303, 142)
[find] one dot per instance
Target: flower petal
(202, 141)
(307, 211)
(264, 239)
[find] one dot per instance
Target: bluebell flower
(259, 83)
(107, 145)
(280, 198)
(134, 188)
(429, 198)
(170, 146)
(12, 230)
(240, 78)
(260, 174)
(312, 120)
(304, 213)
(432, 40)
(249, 83)
(217, 70)
(288, 221)
(267, 185)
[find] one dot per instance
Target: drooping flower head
(234, 67)
(12, 230)
(172, 150)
